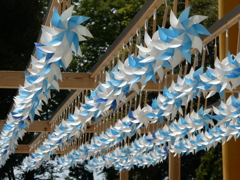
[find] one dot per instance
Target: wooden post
(124, 175)
(231, 149)
(174, 169)
(223, 8)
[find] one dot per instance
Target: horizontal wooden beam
(36, 126)
(79, 81)
(25, 149)
(44, 126)
(74, 81)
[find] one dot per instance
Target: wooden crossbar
(74, 81)
(25, 149)
(79, 81)
(44, 126)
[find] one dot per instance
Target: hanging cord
(146, 25)
(146, 29)
(165, 15)
(215, 49)
(226, 42)
(130, 45)
(123, 53)
(137, 41)
(154, 20)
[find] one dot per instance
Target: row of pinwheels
(166, 48)
(195, 126)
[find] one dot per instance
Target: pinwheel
(169, 44)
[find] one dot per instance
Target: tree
(78, 172)
(211, 165)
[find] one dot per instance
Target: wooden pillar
(124, 175)
(223, 8)
(174, 169)
(231, 149)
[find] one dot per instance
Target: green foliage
(45, 171)
(211, 165)
(78, 172)
(111, 174)
(206, 8)
(159, 171)
(108, 19)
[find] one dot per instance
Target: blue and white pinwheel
(177, 41)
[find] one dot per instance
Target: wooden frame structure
(81, 83)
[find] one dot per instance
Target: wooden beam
(123, 175)
(36, 126)
(74, 81)
(12, 80)
(174, 167)
(25, 149)
(230, 149)
(78, 81)
(44, 126)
